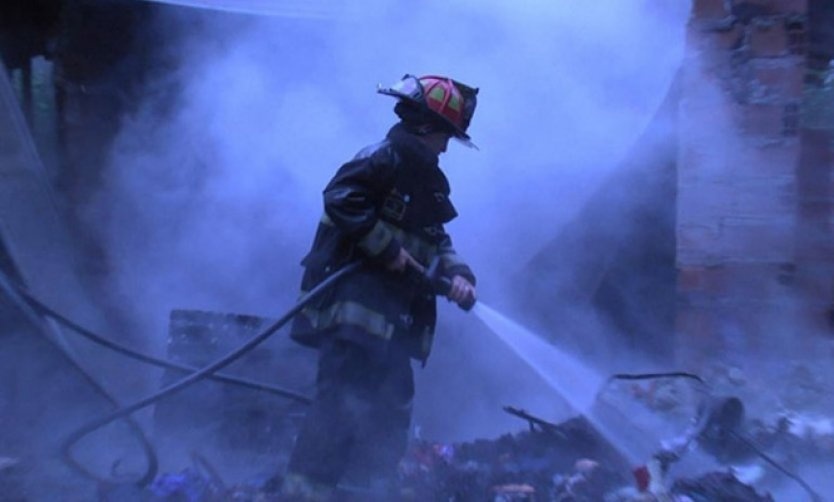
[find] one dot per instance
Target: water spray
(574, 381)
(718, 419)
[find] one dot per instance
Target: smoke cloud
(213, 190)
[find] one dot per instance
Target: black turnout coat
(391, 195)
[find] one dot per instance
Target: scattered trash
(559, 462)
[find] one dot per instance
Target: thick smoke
(213, 191)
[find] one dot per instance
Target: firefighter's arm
(463, 280)
(350, 202)
(453, 264)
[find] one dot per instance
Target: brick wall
(755, 253)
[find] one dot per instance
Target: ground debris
(565, 462)
(718, 486)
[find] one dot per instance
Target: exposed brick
(793, 6)
(698, 330)
(781, 79)
(723, 40)
(692, 236)
(778, 160)
(730, 39)
(703, 202)
(741, 209)
(757, 239)
(702, 161)
(763, 120)
(710, 9)
(697, 244)
(765, 197)
(707, 281)
(768, 38)
(701, 107)
(776, 6)
(739, 281)
(691, 279)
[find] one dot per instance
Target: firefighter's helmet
(445, 99)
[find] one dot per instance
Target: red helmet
(450, 101)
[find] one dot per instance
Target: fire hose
(18, 301)
(35, 309)
(32, 308)
(155, 361)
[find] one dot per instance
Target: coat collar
(411, 145)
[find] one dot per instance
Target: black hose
(149, 359)
(815, 497)
(652, 376)
(148, 449)
(203, 373)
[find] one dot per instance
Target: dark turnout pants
(359, 418)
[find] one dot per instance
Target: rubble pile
(568, 461)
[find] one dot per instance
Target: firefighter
(387, 208)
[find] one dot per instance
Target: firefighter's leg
(323, 445)
(382, 435)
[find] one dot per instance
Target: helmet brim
(467, 142)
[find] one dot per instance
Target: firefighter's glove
(462, 292)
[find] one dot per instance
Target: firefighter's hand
(403, 260)
(462, 291)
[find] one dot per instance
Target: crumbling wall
(755, 252)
